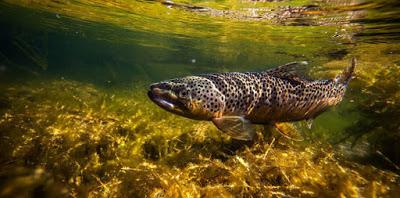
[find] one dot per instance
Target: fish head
(192, 97)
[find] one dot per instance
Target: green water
(75, 119)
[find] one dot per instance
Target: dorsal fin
(291, 71)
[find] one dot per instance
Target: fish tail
(347, 74)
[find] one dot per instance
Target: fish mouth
(167, 100)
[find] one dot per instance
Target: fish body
(234, 101)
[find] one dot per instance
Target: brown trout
(235, 101)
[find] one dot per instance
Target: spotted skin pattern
(263, 97)
(260, 97)
(272, 96)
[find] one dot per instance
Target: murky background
(75, 119)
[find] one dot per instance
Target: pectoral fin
(235, 126)
(289, 131)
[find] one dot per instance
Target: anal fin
(235, 126)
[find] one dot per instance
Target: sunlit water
(75, 73)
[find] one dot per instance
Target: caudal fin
(347, 74)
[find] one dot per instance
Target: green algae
(76, 139)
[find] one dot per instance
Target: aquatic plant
(379, 102)
(64, 137)
(61, 137)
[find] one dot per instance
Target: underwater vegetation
(378, 102)
(65, 138)
(75, 120)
